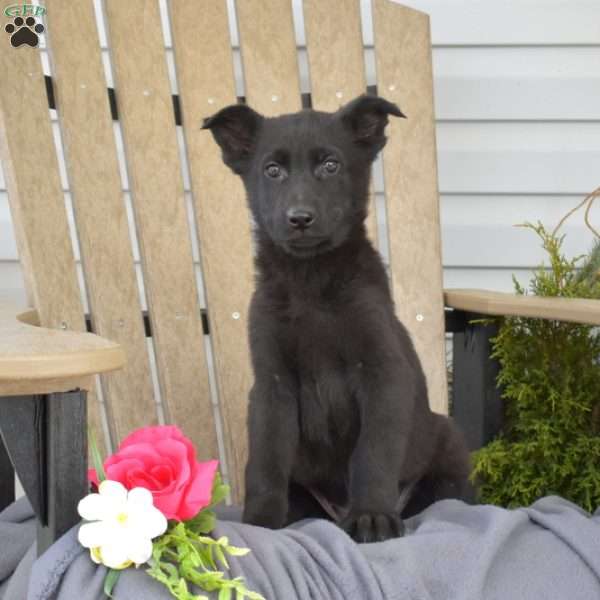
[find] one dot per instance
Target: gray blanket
(451, 551)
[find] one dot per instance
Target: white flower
(122, 525)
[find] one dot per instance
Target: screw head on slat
(274, 98)
(338, 94)
(420, 317)
(235, 315)
(391, 87)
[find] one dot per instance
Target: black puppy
(339, 420)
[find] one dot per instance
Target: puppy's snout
(300, 218)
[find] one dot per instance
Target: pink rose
(162, 460)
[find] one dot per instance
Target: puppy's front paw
(266, 511)
(365, 527)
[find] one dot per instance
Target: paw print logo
(24, 31)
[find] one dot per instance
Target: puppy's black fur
(339, 409)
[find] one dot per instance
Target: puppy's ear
(366, 117)
(235, 128)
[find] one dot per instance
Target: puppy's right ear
(235, 128)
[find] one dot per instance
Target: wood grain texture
(404, 76)
(53, 385)
(28, 352)
(100, 215)
(269, 56)
(148, 122)
(486, 302)
(335, 58)
(36, 198)
(205, 79)
(335, 52)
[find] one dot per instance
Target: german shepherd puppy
(339, 420)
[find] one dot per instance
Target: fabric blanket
(451, 551)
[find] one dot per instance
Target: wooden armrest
(38, 360)
(485, 302)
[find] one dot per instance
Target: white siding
(517, 100)
(517, 86)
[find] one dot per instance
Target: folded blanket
(451, 551)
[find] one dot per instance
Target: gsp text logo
(24, 28)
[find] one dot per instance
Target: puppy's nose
(300, 218)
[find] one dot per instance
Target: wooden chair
(49, 363)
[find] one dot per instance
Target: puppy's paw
(266, 511)
(365, 527)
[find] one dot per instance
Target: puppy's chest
(327, 406)
(307, 314)
(319, 351)
(308, 309)
(312, 334)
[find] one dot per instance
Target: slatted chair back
(74, 231)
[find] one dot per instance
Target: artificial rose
(162, 460)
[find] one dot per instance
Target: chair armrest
(33, 358)
(485, 302)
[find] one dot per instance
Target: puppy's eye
(331, 166)
(273, 170)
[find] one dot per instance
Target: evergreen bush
(550, 380)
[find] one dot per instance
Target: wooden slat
(404, 76)
(269, 56)
(206, 84)
(147, 117)
(335, 52)
(486, 302)
(36, 198)
(95, 182)
(336, 64)
(47, 386)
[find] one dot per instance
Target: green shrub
(550, 380)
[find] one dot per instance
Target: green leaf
(221, 556)
(254, 596)
(96, 458)
(203, 522)
(219, 492)
(171, 570)
(185, 556)
(225, 593)
(235, 551)
(110, 581)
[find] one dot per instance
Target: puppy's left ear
(366, 117)
(235, 128)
